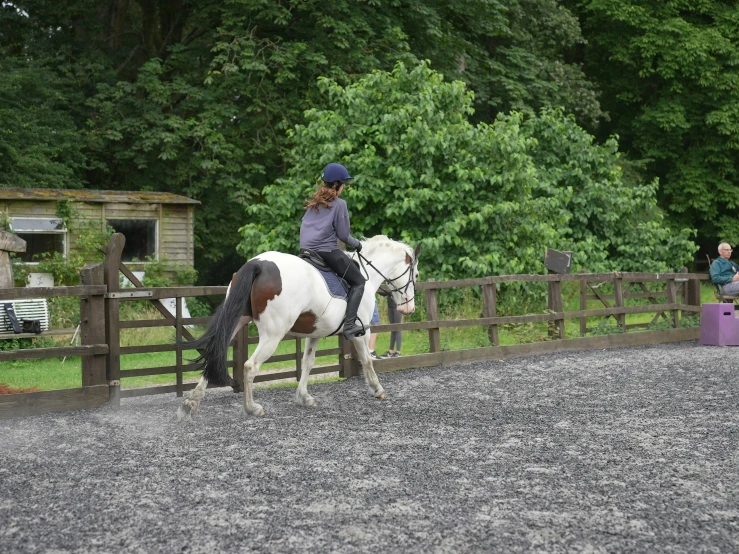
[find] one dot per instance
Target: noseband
(402, 290)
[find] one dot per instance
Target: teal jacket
(723, 271)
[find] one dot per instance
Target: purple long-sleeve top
(320, 231)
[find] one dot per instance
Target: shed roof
(85, 195)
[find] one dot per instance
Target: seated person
(724, 272)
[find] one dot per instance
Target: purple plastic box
(719, 325)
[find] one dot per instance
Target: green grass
(51, 374)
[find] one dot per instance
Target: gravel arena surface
(624, 450)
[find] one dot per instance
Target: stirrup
(354, 330)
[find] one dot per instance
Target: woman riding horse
(282, 293)
(325, 221)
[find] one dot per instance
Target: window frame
(63, 231)
(156, 236)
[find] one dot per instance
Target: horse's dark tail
(213, 345)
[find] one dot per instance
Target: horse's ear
(417, 250)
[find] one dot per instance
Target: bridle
(402, 290)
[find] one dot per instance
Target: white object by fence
(27, 308)
(40, 280)
(126, 284)
(169, 303)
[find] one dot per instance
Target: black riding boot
(353, 328)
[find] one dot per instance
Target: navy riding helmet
(335, 172)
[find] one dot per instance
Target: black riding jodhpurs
(343, 267)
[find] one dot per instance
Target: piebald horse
(280, 293)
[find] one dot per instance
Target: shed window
(141, 238)
(42, 236)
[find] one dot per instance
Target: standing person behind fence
(326, 221)
(396, 337)
(373, 336)
(724, 272)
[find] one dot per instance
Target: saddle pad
(335, 288)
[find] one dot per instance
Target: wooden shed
(157, 225)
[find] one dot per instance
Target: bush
(484, 199)
(161, 273)
(199, 308)
(25, 343)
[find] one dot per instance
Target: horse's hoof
(182, 413)
(305, 400)
(380, 396)
(255, 410)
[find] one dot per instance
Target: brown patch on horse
(266, 286)
(305, 324)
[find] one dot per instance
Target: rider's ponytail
(325, 194)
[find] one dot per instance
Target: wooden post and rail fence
(103, 379)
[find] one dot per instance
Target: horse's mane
(382, 242)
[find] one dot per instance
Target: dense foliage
(668, 72)
(39, 142)
(194, 97)
(484, 199)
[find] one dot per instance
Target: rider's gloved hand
(358, 248)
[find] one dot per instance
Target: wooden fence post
(92, 326)
(343, 365)
(672, 299)
(178, 339)
(693, 292)
(240, 355)
(618, 291)
(432, 314)
(559, 263)
(347, 358)
(490, 309)
(298, 358)
(583, 304)
(554, 302)
(112, 316)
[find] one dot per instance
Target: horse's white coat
(303, 290)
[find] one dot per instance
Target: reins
(402, 290)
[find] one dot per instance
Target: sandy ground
(627, 450)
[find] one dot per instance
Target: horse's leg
(264, 350)
(309, 356)
(361, 344)
(191, 405)
(366, 339)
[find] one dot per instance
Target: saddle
(336, 285)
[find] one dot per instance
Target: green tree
(193, 97)
(670, 82)
(612, 223)
(39, 143)
(483, 199)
